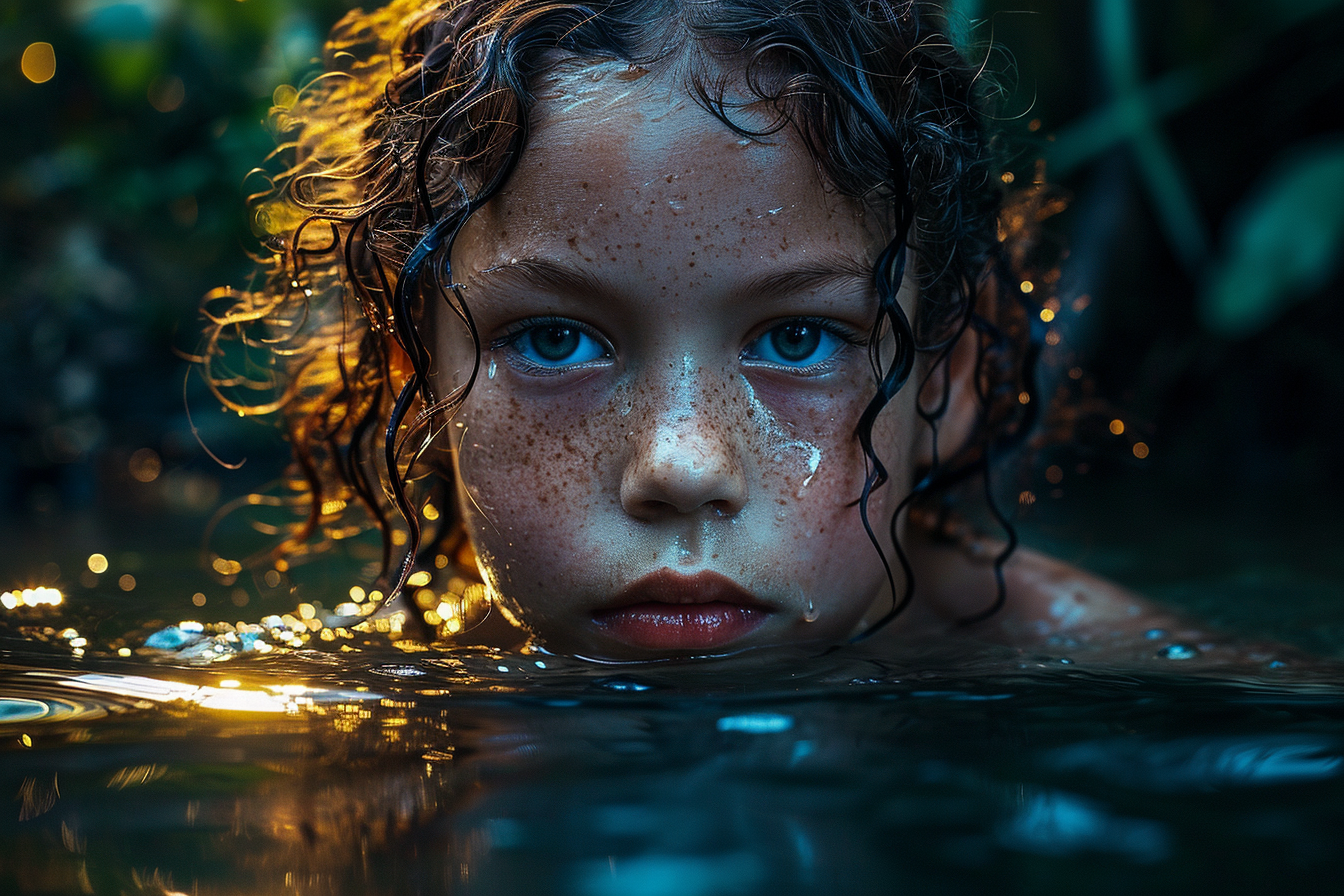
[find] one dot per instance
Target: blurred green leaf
(126, 68)
(1282, 245)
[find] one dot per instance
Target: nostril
(684, 473)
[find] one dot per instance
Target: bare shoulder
(1047, 596)
(1044, 595)
(1054, 605)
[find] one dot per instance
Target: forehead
(618, 149)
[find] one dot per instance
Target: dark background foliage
(1200, 141)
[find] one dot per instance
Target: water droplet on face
(775, 211)
(745, 141)
(626, 408)
(490, 371)
(1178, 652)
(813, 461)
(812, 613)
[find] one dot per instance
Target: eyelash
(517, 331)
(847, 336)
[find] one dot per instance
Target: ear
(950, 384)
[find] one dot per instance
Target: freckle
(584, 185)
(573, 242)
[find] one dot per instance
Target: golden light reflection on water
(230, 695)
(40, 596)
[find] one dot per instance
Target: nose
(686, 451)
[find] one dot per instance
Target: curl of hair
(419, 117)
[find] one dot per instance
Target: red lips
(668, 611)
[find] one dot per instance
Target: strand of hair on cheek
(404, 324)
(888, 272)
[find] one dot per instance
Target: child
(678, 319)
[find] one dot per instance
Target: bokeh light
(39, 62)
(145, 465)
(167, 94)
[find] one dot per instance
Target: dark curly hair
(419, 118)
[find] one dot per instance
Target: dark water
(383, 770)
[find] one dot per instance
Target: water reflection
(1209, 763)
(389, 773)
(1056, 823)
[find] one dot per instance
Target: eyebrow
(572, 280)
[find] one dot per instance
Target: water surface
(383, 770)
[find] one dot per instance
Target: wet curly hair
(421, 114)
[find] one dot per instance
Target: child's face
(659, 455)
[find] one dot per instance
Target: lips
(668, 611)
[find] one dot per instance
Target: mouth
(669, 611)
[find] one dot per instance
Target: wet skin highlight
(674, 361)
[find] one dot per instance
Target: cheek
(528, 473)
(815, 477)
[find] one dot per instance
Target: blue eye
(795, 343)
(555, 345)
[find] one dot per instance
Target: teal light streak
(961, 17)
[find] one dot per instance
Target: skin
(672, 438)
